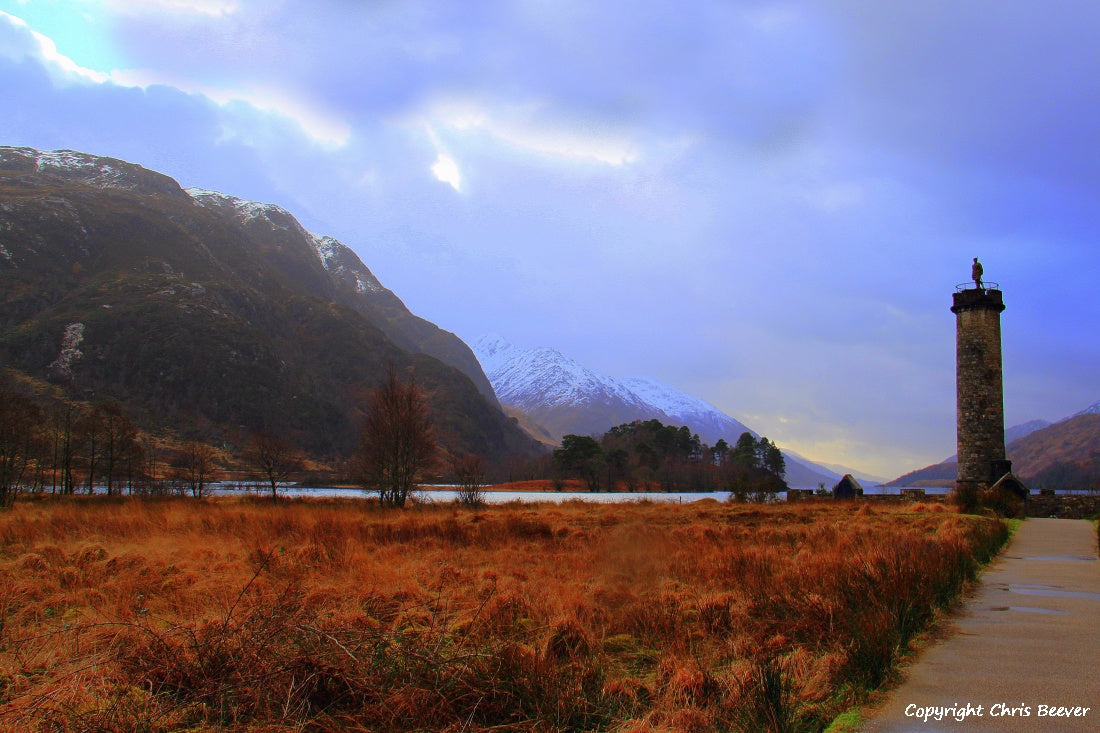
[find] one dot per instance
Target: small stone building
(847, 488)
(1010, 483)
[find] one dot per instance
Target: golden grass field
(236, 614)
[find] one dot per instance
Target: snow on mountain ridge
(327, 249)
(1093, 409)
(711, 423)
(544, 378)
(492, 350)
(338, 259)
(341, 261)
(246, 210)
(669, 399)
(92, 170)
(565, 397)
(71, 161)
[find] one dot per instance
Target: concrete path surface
(1024, 654)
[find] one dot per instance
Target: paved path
(1029, 637)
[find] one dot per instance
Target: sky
(765, 204)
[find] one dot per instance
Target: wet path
(1029, 637)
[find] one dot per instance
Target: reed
(327, 615)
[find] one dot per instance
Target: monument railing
(986, 285)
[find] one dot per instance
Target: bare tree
(150, 451)
(90, 427)
(198, 463)
(274, 458)
(469, 471)
(133, 456)
(19, 440)
(398, 440)
(119, 437)
(61, 425)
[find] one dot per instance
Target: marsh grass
(326, 616)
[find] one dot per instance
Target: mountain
(863, 478)
(1012, 434)
(1041, 452)
(938, 474)
(565, 398)
(1066, 454)
(1022, 430)
(1093, 409)
(212, 315)
(704, 418)
(557, 392)
(350, 282)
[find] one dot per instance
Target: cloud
(446, 170)
(320, 125)
(213, 8)
(18, 40)
(522, 126)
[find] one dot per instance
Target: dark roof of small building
(847, 486)
(1009, 482)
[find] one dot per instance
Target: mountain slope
(209, 314)
(840, 470)
(704, 418)
(1070, 448)
(1041, 452)
(565, 397)
(555, 391)
(1093, 409)
(347, 280)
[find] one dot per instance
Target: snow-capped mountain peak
(544, 377)
(565, 397)
(551, 386)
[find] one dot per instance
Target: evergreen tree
(582, 456)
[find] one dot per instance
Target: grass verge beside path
(852, 720)
(336, 615)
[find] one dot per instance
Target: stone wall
(1064, 507)
(1060, 506)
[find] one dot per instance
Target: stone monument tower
(980, 392)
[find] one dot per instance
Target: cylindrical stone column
(979, 389)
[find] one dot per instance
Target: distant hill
(210, 315)
(938, 474)
(841, 470)
(1065, 454)
(1012, 434)
(564, 397)
(1093, 409)
(1016, 432)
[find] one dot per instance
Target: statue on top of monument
(976, 272)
